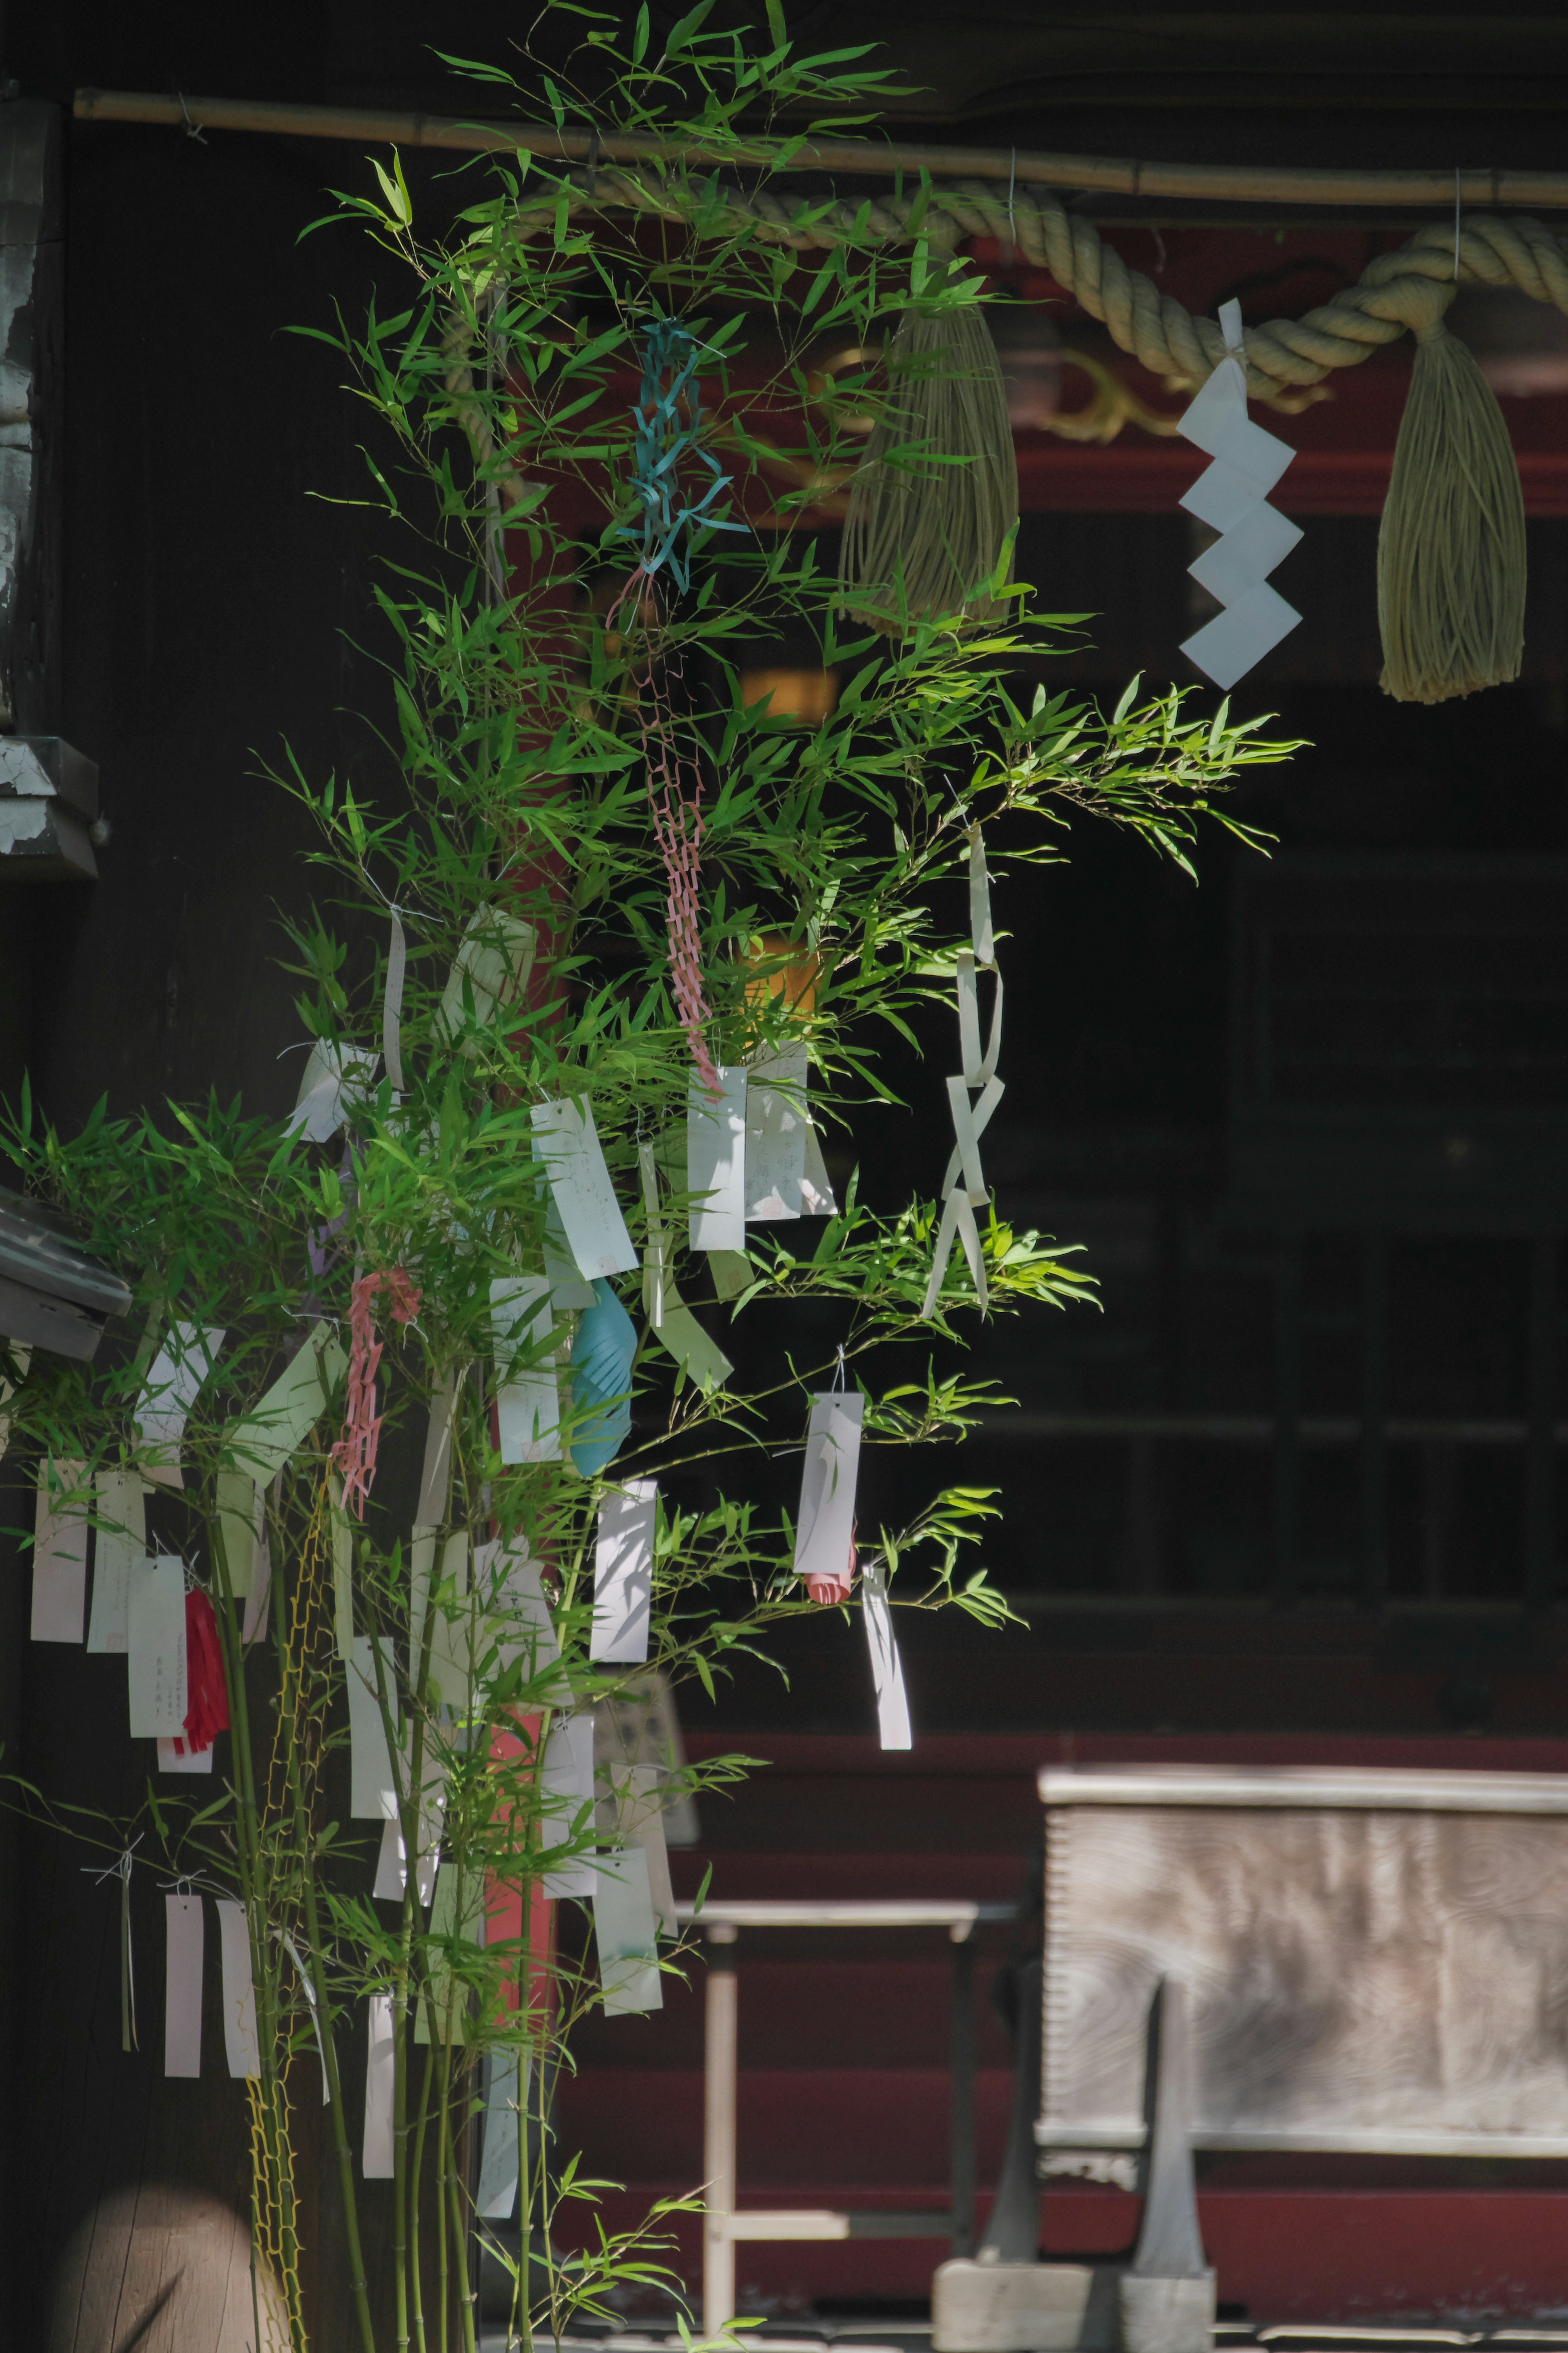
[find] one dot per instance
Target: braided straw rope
(1400, 293)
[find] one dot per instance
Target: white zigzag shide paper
(1232, 498)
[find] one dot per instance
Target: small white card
(566, 1780)
(155, 1617)
(528, 1401)
(624, 1931)
(238, 1991)
(567, 1142)
(825, 1528)
(716, 1161)
(173, 1382)
(183, 1986)
(373, 1790)
(506, 2091)
(887, 1667)
(623, 1573)
(121, 1543)
(59, 1554)
(380, 2084)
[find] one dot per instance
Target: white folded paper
(173, 1382)
(494, 959)
(155, 1646)
(963, 1183)
(716, 1161)
(238, 1991)
(60, 1552)
(506, 2092)
(183, 1985)
(121, 1543)
(567, 1142)
(528, 1400)
(887, 1667)
(623, 1573)
(624, 1932)
(380, 2085)
(336, 1078)
(825, 1528)
(566, 1782)
(1231, 497)
(373, 1788)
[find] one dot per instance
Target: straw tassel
(1451, 551)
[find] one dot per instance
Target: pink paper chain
(355, 1450)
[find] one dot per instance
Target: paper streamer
(963, 1183)
(181, 1759)
(60, 1552)
(631, 1814)
(273, 1431)
(183, 1937)
(825, 1528)
(512, 1592)
(239, 1990)
(450, 1636)
(1231, 496)
(566, 1141)
(392, 1865)
(784, 1177)
(173, 1382)
(491, 970)
(673, 1323)
(121, 1543)
(373, 1787)
(155, 1623)
(392, 1004)
(887, 1668)
(566, 1781)
(716, 1161)
(376, 2154)
(623, 1573)
(626, 1934)
(449, 1998)
(336, 1077)
(528, 1400)
(508, 2075)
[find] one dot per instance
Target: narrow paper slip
(506, 2090)
(528, 1401)
(623, 1573)
(183, 1985)
(175, 1379)
(446, 1993)
(887, 1667)
(630, 1812)
(435, 1473)
(335, 1079)
(490, 971)
(450, 1636)
(626, 1934)
(258, 1586)
(59, 1553)
(122, 1545)
(238, 1991)
(507, 1579)
(567, 1780)
(825, 1528)
(376, 2154)
(716, 1162)
(276, 1429)
(156, 1649)
(776, 1124)
(567, 1142)
(373, 1790)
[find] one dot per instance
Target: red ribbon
(206, 1711)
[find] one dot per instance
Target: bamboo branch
(1112, 175)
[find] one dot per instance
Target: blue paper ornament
(602, 1356)
(663, 440)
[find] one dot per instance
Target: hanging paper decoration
(825, 1530)
(392, 1004)
(308, 1989)
(602, 1348)
(449, 1662)
(206, 1711)
(673, 1323)
(631, 1814)
(785, 1173)
(379, 2083)
(336, 1077)
(507, 2078)
(59, 1551)
(355, 1450)
(121, 1870)
(448, 1994)
(716, 1161)
(183, 1937)
(963, 1185)
(489, 972)
(373, 1787)
(527, 1399)
(887, 1667)
(272, 1432)
(517, 1613)
(623, 1573)
(156, 1649)
(567, 1142)
(392, 1865)
(566, 1780)
(121, 1547)
(626, 1932)
(1232, 496)
(258, 1592)
(175, 1379)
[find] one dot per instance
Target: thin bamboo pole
(1112, 175)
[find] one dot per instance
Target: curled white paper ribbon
(392, 1004)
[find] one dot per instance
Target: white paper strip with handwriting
(567, 1780)
(624, 1932)
(122, 1543)
(183, 1985)
(376, 2154)
(499, 2165)
(567, 1142)
(238, 1991)
(776, 1125)
(59, 1553)
(155, 1620)
(528, 1401)
(193, 1760)
(372, 1791)
(887, 1667)
(716, 1161)
(825, 1528)
(173, 1382)
(623, 1573)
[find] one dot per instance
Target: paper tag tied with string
(964, 1185)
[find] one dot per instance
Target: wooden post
(719, 2135)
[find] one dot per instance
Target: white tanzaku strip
(776, 1124)
(491, 967)
(239, 2041)
(373, 1787)
(392, 1869)
(156, 1649)
(623, 1573)
(630, 1812)
(60, 1552)
(183, 1940)
(449, 1675)
(566, 1141)
(193, 1761)
(716, 1161)
(516, 1612)
(274, 1430)
(173, 1382)
(435, 1476)
(122, 1543)
(258, 1593)
(380, 2084)
(887, 1667)
(507, 2078)
(674, 1325)
(626, 1932)
(392, 1003)
(336, 1079)
(982, 937)
(528, 1400)
(566, 1781)
(825, 1529)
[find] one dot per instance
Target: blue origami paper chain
(669, 364)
